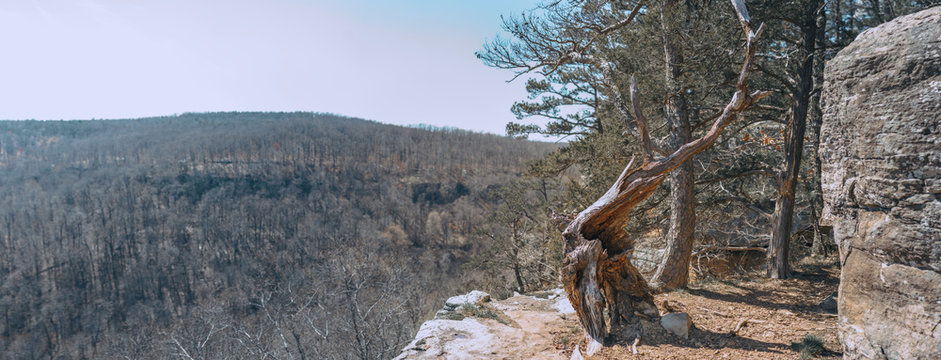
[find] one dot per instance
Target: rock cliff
(881, 155)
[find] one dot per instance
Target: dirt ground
(777, 314)
(745, 317)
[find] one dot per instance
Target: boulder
(677, 323)
(452, 307)
(472, 299)
(881, 155)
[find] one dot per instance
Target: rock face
(881, 155)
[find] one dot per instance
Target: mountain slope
(173, 230)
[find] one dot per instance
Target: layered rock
(881, 155)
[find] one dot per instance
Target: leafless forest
(236, 235)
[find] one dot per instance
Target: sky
(394, 61)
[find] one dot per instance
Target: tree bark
(819, 246)
(778, 249)
(673, 271)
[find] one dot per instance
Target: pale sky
(393, 61)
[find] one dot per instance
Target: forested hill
(224, 234)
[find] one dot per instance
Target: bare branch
(183, 352)
(739, 175)
(747, 204)
(787, 83)
(711, 248)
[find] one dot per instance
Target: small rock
(564, 306)
(577, 355)
(829, 304)
(677, 323)
(593, 347)
(472, 299)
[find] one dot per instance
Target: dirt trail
(771, 316)
(776, 314)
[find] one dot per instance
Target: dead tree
(596, 271)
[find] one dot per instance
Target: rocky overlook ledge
(730, 319)
(473, 326)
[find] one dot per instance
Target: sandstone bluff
(881, 155)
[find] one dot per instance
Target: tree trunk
(673, 271)
(819, 246)
(781, 221)
(778, 249)
(520, 287)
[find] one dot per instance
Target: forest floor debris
(747, 318)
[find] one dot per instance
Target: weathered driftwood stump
(596, 271)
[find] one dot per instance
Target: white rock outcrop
(473, 298)
(471, 326)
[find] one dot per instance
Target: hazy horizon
(535, 137)
(406, 63)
